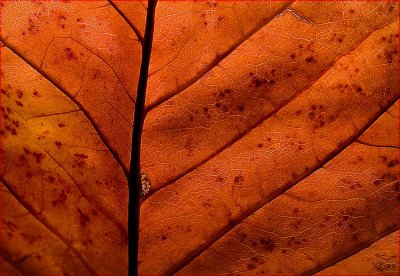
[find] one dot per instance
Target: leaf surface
(270, 140)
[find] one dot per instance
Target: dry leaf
(270, 144)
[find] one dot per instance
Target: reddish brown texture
(270, 140)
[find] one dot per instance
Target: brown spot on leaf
(393, 163)
(38, 156)
(257, 82)
(377, 182)
(268, 244)
(254, 259)
(70, 54)
(58, 144)
(20, 94)
(87, 242)
(242, 237)
(310, 60)
(390, 55)
(30, 238)
(61, 198)
(239, 179)
(81, 155)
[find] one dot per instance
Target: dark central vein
(134, 180)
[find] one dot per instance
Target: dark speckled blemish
(257, 82)
(389, 163)
(87, 242)
(62, 197)
(38, 156)
(224, 93)
(81, 155)
(242, 237)
(268, 244)
(392, 163)
(20, 94)
(310, 60)
(58, 144)
(254, 259)
(239, 179)
(70, 54)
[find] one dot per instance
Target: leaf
(270, 141)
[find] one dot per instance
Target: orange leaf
(270, 142)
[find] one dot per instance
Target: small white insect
(145, 183)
